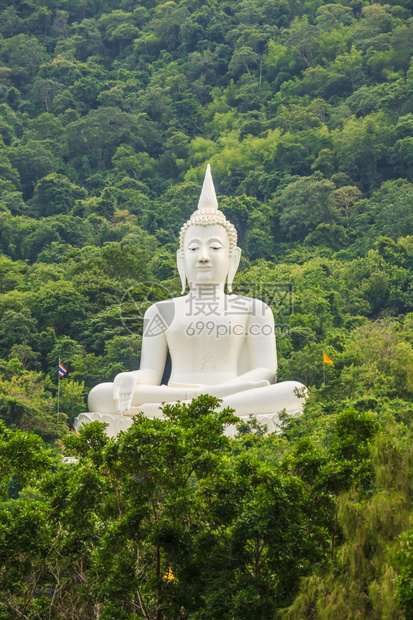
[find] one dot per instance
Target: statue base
(114, 423)
(117, 423)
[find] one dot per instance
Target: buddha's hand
(123, 388)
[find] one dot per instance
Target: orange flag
(326, 359)
(169, 576)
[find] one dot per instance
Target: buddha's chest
(205, 331)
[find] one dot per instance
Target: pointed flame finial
(208, 197)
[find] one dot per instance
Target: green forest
(109, 112)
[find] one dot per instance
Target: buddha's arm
(261, 346)
(153, 358)
(261, 342)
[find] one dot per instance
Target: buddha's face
(206, 254)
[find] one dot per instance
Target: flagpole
(58, 391)
(324, 373)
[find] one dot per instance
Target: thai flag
(62, 370)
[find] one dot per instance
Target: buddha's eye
(216, 247)
(192, 248)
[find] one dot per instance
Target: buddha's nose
(204, 257)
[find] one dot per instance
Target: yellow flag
(326, 359)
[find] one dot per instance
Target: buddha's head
(208, 251)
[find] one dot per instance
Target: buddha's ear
(233, 267)
(181, 268)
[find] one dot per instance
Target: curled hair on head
(209, 217)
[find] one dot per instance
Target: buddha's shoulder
(164, 308)
(232, 303)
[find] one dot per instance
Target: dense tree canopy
(109, 112)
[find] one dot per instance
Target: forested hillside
(109, 113)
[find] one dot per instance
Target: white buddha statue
(220, 344)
